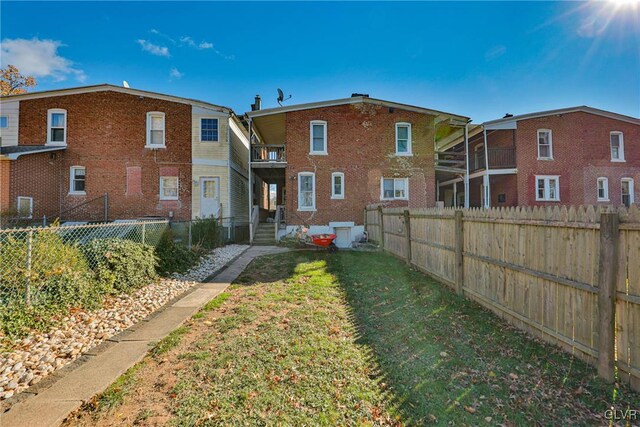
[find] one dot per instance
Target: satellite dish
(281, 97)
(125, 84)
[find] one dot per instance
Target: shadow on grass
(448, 360)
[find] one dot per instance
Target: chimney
(256, 106)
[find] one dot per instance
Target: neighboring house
(154, 155)
(571, 156)
(328, 160)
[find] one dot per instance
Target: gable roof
(580, 108)
(352, 100)
(112, 88)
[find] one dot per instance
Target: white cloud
(38, 58)
(188, 41)
(205, 45)
(154, 49)
(175, 73)
(495, 52)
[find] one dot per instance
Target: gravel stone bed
(40, 354)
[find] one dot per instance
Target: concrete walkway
(50, 406)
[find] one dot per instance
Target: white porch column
(466, 175)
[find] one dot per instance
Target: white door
(209, 197)
(343, 237)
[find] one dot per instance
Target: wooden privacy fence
(570, 276)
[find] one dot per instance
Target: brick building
(153, 155)
(571, 156)
(329, 160)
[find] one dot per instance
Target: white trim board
(209, 162)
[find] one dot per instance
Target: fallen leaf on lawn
(488, 419)
(513, 376)
(492, 374)
(444, 354)
(470, 409)
(433, 418)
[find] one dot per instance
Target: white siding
(239, 194)
(9, 135)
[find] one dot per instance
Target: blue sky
(480, 59)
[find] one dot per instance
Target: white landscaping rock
(39, 354)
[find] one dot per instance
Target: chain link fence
(33, 259)
(210, 233)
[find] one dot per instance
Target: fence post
(381, 226)
(607, 268)
(365, 218)
(144, 229)
(190, 234)
(407, 226)
(459, 236)
(29, 262)
(106, 207)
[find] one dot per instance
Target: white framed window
(155, 130)
(616, 141)
(57, 126)
(627, 190)
(337, 185)
(25, 207)
(394, 188)
(403, 139)
(545, 144)
(4, 122)
(548, 188)
(306, 191)
(168, 188)
(603, 189)
(208, 129)
(77, 180)
(318, 137)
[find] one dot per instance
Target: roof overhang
(510, 121)
(12, 153)
(270, 123)
(112, 88)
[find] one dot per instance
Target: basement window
(25, 207)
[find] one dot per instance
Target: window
(208, 130)
(318, 134)
(306, 191)
(155, 130)
(57, 127)
(545, 144)
(548, 188)
(403, 139)
(337, 185)
(25, 206)
(394, 188)
(627, 191)
(168, 188)
(617, 146)
(77, 180)
(4, 122)
(603, 189)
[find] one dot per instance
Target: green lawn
(307, 338)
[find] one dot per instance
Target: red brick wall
(581, 153)
(38, 176)
(361, 144)
(106, 133)
(5, 193)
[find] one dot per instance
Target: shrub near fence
(45, 271)
(570, 276)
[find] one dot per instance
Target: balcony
(268, 156)
(499, 158)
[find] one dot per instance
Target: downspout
(229, 119)
(485, 177)
(466, 175)
(250, 186)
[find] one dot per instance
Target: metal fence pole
(106, 207)
(190, 235)
(144, 229)
(29, 261)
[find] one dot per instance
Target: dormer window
(57, 127)
(155, 130)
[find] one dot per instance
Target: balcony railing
(268, 153)
(499, 158)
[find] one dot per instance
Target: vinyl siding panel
(9, 134)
